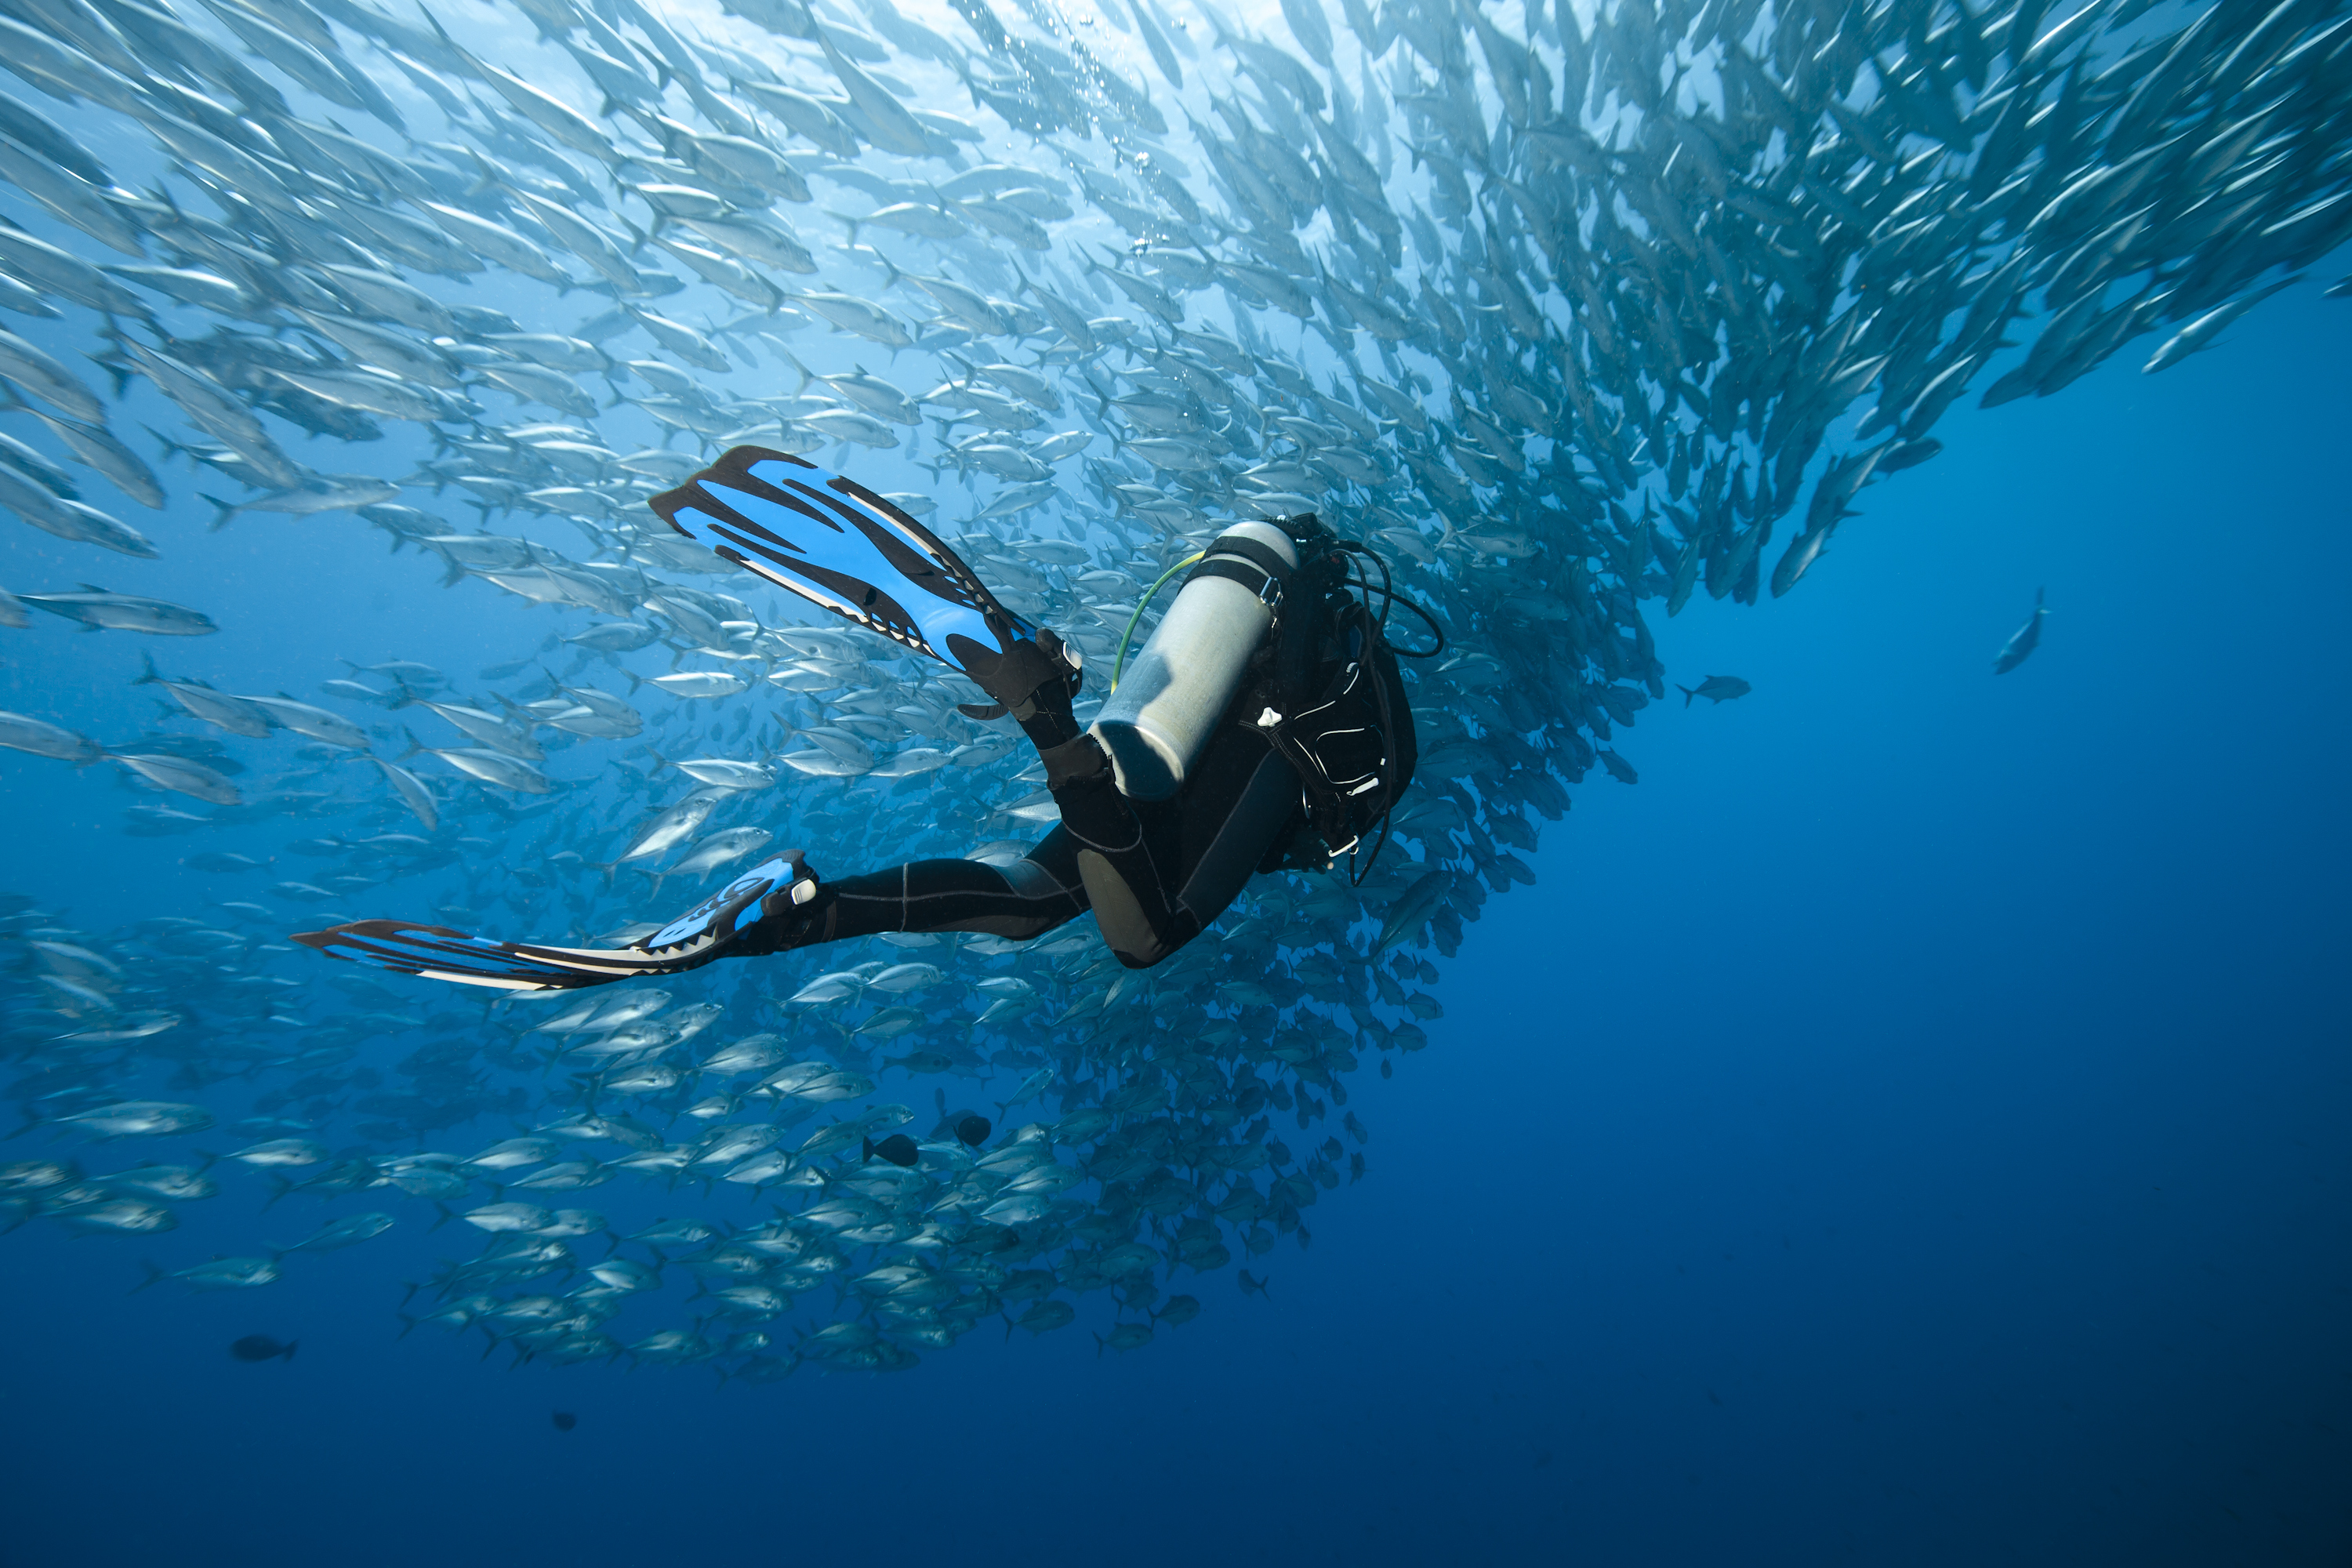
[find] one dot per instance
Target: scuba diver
(1264, 725)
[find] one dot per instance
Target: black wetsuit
(1155, 873)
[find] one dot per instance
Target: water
(1904, 1127)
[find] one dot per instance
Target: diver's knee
(1127, 929)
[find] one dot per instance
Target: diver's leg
(1124, 853)
(1116, 851)
(1157, 873)
(1018, 901)
(1243, 808)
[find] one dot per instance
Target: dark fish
(1716, 689)
(1178, 1311)
(564, 1420)
(222, 860)
(2022, 641)
(262, 1347)
(898, 1147)
(973, 1130)
(1042, 1318)
(1909, 455)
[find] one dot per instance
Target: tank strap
(1256, 579)
(1237, 558)
(1266, 557)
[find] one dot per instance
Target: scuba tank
(1164, 709)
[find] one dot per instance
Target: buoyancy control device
(1324, 689)
(1330, 698)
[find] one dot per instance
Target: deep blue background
(1908, 1127)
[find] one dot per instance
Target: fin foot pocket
(769, 909)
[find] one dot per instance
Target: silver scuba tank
(1171, 697)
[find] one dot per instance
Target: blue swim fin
(439, 953)
(843, 548)
(763, 910)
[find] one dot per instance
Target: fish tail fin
(279, 1187)
(407, 1322)
(153, 1275)
(446, 1214)
(291, 1346)
(1687, 694)
(147, 676)
(1009, 1324)
(116, 371)
(1098, 1347)
(223, 511)
(414, 745)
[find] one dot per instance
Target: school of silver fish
(1565, 310)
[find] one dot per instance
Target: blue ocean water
(1906, 1127)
